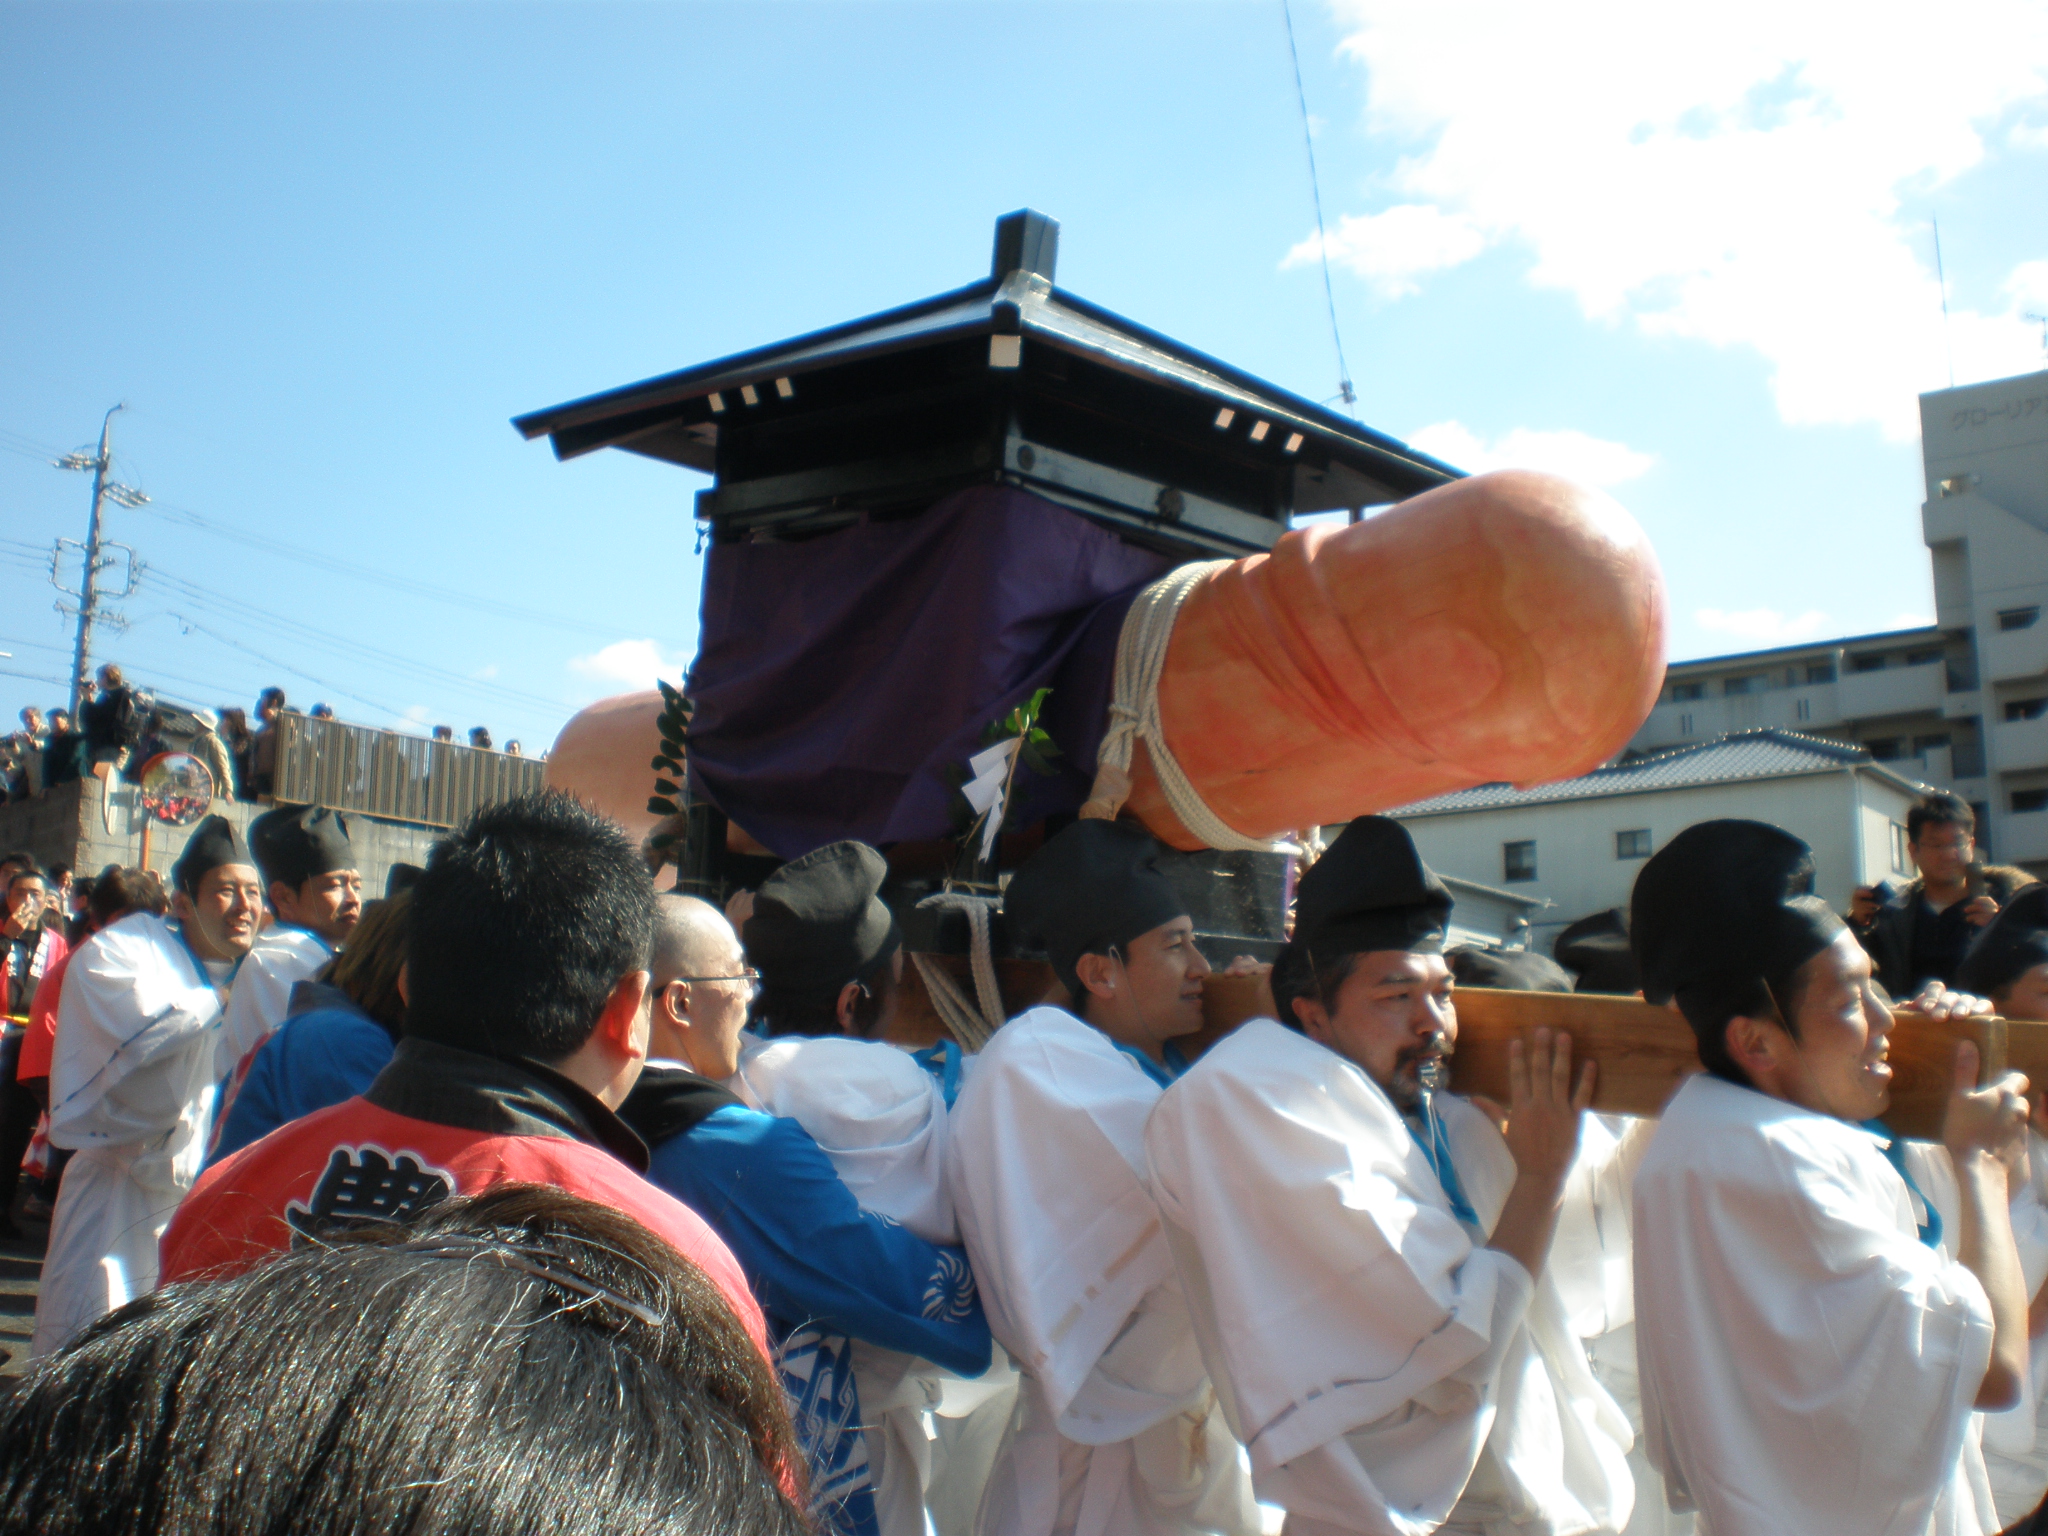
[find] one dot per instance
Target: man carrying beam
(1811, 1358)
(2008, 963)
(1365, 1255)
(1116, 1431)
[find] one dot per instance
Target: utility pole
(96, 560)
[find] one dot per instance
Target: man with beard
(1812, 1357)
(1367, 1253)
(133, 1081)
(1116, 1429)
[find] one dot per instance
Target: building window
(1735, 685)
(1821, 672)
(2026, 709)
(1802, 709)
(2018, 618)
(1518, 860)
(1922, 745)
(1632, 845)
(1902, 859)
(1685, 725)
(2030, 800)
(1681, 692)
(1922, 658)
(1885, 749)
(1868, 662)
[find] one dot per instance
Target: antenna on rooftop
(1941, 277)
(2042, 321)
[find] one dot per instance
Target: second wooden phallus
(1506, 627)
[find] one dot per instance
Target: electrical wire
(285, 666)
(34, 677)
(411, 667)
(225, 606)
(172, 512)
(1315, 185)
(186, 517)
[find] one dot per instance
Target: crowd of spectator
(122, 728)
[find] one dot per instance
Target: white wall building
(1579, 843)
(1962, 703)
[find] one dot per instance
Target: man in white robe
(310, 880)
(133, 1081)
(1809, 1363)
(1116, 1431)
(1365, 1255)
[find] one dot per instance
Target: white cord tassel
(980, 951)
(1134, 716)
(955, 1012)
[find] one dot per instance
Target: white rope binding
(1134, 716)
(970, 1027)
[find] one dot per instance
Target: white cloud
(634, 662)
(1763, 626)
(486, 672)
(1575, 455)
(1391, 249)
(1738, 180)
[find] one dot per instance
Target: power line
(283, 549)
(34, 645)
(1315, 186)
(285, 666)
(407, 666)
(406, 584)
(34, 677)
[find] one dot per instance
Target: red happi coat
(439, 1121)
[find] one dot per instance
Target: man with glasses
(847, 1287)
(1922, 933)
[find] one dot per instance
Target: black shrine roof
(1102, 380)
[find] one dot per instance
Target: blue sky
(323, 252)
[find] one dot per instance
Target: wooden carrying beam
(1644, 1052)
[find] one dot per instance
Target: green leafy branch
(1036, 750)
(674, 726)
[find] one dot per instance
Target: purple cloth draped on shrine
(839, 679)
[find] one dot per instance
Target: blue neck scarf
(943, 1062)
(1163, 1075)
(1436, 1146)
(1895, 1154)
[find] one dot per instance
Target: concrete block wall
(89, 826)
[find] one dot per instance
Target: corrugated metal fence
(383, 773)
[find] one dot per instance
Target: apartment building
(1962, 703)
(1577, 845)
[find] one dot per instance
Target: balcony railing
(403, 778)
